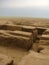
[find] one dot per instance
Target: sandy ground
(34, 58)
(20, 56)
(23, 57)
(15, 54)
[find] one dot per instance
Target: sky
(24, 3)
(32, 8)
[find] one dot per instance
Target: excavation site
(23, 41)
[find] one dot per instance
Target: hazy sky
(35, 8)
(24, 3)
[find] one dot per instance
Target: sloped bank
(35, 58)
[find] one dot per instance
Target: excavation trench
(15, 40)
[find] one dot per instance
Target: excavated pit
(16, 37)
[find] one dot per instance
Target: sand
(21, 56)
(34, 58)
(15, 53)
